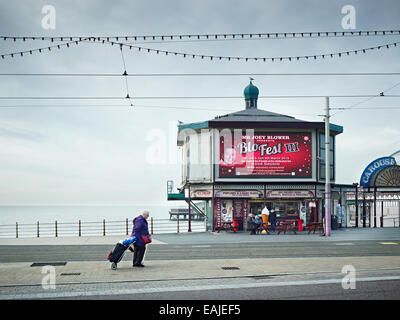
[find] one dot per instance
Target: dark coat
(140, 228)
(272, 217)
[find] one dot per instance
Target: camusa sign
(373, 168)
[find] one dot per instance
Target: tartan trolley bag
(116, 255)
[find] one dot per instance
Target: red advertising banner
(217, 212)
(266, 155)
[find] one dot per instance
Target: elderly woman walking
(140, 230)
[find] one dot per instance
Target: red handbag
(146, 239)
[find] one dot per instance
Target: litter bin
(334, 222)
(300, 224)
(235, 225)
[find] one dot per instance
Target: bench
(315, 226)
(286, 226)
(227, 226)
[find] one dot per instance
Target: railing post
(127, 226)
(151, 225)
(177, 230)
(104, 227)
(56, 230)
(16, 229)
(79, 228)
(37, 231)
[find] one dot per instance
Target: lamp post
(356, 202)
(375, 207)
(327, 172)
(189, 217)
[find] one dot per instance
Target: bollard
(127, 226)
(177, 230)
(79, 228)
(56, 230)
(104, 227)
(151, 225)
(37, 232)
(16, 229)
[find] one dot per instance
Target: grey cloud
(22, 134)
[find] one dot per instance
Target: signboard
(273, 155)
(290, 194)
(203, 193)
(373, 168)
(227, 210)
(217, 210)
(380, 196)
(238, 194)
(238, 209)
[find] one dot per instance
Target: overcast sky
(93, 155)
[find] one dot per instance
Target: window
(284, 209)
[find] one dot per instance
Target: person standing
(272, 219)
(251, 224)
(140, 228)
(323, 224)
(258, 223)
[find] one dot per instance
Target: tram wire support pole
(327, 172)
(356, 204)
(375, 207)
(364, 211)
(189, 218)
(399, 212)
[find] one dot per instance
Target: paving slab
(21, 273)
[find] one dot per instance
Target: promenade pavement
(344, 234)
(22, 273)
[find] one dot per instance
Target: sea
(73, 213)
(91, 220)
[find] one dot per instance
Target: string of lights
(221, 36)
(40, 50)
(203, 56)
(264, 59)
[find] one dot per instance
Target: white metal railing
(95, 228)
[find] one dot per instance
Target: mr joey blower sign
(266, 155)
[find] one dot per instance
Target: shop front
(289, 205)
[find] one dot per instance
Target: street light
(356, 202)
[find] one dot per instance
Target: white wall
(197, 166)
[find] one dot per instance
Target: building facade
(240, 162)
